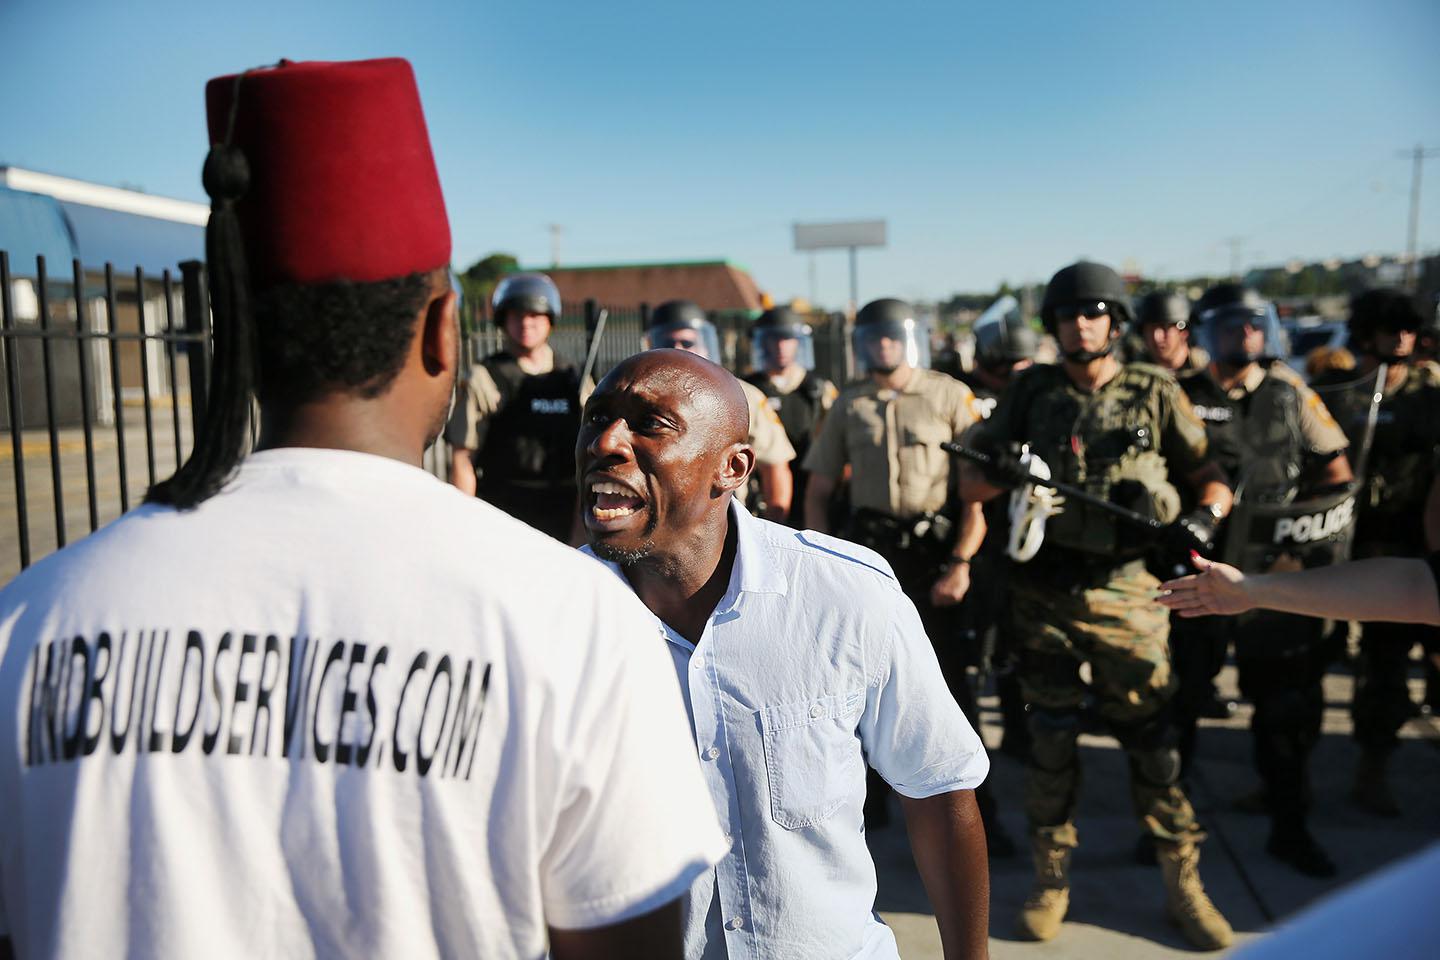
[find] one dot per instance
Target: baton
(1076, 493)
(595, 345)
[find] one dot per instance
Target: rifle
(1070, 491)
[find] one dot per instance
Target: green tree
(479, 279)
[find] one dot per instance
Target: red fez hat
(342, 184)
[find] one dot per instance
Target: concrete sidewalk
(1117, 905)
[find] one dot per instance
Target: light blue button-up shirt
(812, 663)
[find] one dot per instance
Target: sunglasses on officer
(1089, 309)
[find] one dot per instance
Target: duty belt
(880, 530)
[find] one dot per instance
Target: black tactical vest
(1403, 458)
(530, 441)
(798, 410)
(1255, 439)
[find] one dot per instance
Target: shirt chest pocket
(812, 757)
(865, 426)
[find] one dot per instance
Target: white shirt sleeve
(636, 824)
(914, 733)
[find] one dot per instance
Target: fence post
(192, 281)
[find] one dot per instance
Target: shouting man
(800, 659)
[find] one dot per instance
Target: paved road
(1117, 906)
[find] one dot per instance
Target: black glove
(1006, 471)
(1194, 531)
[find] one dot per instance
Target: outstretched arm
(948, 842)
(1392, 589)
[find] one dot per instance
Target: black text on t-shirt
(249, 694)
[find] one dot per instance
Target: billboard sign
(830, 236)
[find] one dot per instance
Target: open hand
(1217, 589)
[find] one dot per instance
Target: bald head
(662, 447)
(717, 402)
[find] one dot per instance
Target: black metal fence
(106, 376)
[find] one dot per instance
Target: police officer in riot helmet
(1005, 344)
(1197, 647)
(1278, 444)
(783, 356)
(1163, 317)
(887, 429)
(1384, 329)
(1127, 434)
(512, 434)
(683, 325)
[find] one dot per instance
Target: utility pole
(1418, 157)
(1236, 245)
(555, 231)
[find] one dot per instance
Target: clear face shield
(886, 347)
(694, 338)
(995, 332)
(1238, 334)
(780, 348)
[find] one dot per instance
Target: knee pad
(1052, 738)
(1153, 746)
(1159, 766)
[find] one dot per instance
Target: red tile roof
(713, 284)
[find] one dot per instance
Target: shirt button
(735, 923)
(815, 711)
(712, 753)
(729, 840)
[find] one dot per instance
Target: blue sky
(1000, 141)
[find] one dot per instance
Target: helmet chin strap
(1086, 356)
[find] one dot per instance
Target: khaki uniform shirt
(767, 434)
(1318, 428)
(892, 441)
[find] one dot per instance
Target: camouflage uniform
(1086, 596)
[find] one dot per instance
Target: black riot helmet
(889, 319)
(1381, 310)
(1164, 307)
(527, 293)
(775, 325)
(1003, 337)
(1087, 285)
(682, 325)
(1223, 311)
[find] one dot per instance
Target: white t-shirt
(339, 709)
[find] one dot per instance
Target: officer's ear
(736, 465)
